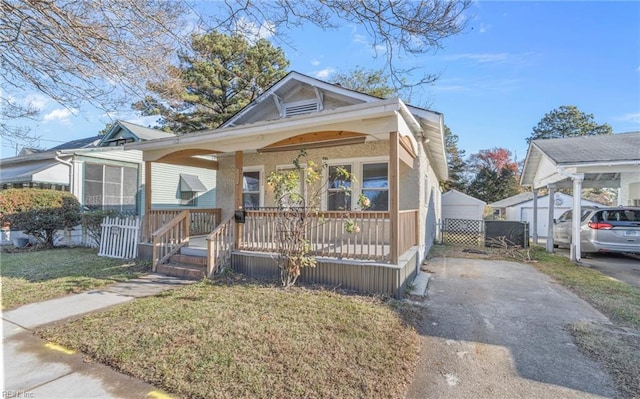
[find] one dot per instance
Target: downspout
(70, 165)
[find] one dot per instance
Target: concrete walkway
(495, 329)
(33, 368)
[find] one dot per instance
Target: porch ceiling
(316, 140)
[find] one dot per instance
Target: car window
(568, 215)
(585, 215)
(620, 215)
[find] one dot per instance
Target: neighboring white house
(103, 176)
(519, 208)
(457, 205)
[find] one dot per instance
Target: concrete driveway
(623, 267)
(495, 329)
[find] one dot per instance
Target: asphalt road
(495, 329)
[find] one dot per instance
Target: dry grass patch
(35, 276)
(253, 341)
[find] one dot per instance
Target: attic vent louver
(300, 107)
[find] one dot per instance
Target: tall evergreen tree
(455, 161)
(567, 121)
(215, 79)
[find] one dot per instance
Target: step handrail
(220, 244)
(168, 239)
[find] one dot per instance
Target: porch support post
(147, 200)
(394, 192)
(577, 213)
(534, 225)
(238, 195)
(552, 192)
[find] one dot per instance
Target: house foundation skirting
(370, 277)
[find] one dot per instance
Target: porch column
(534, 225)
(147, 200)
(552, 192)
(577, 213)
(394, 193)
(237, 196)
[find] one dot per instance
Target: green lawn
(34, 276)
(221, 340)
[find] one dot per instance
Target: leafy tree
(495, 175)
(77, 52)
(457, 165)
(298, 214)
(372, 82)
(567, 121)
(215, 79)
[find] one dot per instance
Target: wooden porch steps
(187, 266)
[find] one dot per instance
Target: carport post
(577, 213)
(552, 192)
(535, 216)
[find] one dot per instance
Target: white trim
(356, 170)
(260, 169)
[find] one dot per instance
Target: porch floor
(198, 247)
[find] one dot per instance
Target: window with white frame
(339, 188)
(110, 186)
(375, 185)
(251, 183)
(300, 188)
(370, 178)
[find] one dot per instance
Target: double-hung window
(370, 178)
(339, 188)
(251, 183)
(375, 185)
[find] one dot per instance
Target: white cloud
(253, 32)
(315, 62)
(61, 115)
(324, 73)
(37, 100)
(632, 117)
(484, 28)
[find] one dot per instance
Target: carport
(605, 161)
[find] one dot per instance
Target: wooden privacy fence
(485, 233)
(119, 237)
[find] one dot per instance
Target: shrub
(40, 213)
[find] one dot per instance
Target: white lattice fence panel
(119, 237)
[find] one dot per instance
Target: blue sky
(514, 62)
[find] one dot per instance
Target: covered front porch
(384, 251)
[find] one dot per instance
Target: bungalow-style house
(102, 175)
(611, 161)
(395, 151)
(519, 208)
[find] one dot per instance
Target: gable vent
(299, 108)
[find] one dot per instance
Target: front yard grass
(35, 276)
(226, 340)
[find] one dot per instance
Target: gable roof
(84, 142)
(591, 149)
(461, 194)
(140, 133)
(288, 84)
(513, 200)
(609, 154)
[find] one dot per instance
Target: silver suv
(611, 229)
